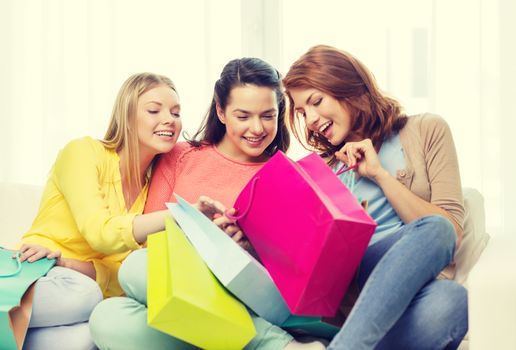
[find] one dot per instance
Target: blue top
(392, 158)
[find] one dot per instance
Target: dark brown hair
(340, 75)
(241, 72)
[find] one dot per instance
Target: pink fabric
(194, 171)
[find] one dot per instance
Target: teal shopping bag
(16, 280)
(324, 327)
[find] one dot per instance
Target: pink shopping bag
(307, 228)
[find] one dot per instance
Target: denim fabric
(401, 304)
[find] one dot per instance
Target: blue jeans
(401, 304)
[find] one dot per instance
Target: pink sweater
(192, 172)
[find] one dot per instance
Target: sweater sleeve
(77, 172)
(164, 178)
(443, 167)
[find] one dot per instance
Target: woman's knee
(121, 323)
(114, 319)
(132, 275)
(440, 231)
(62, 297)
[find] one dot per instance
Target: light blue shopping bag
(16, 280)
(235, 268)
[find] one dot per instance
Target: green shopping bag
(186, 301)
(324, 327)
(16, 292)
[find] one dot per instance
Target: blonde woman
(90, 216)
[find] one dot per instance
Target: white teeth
(253, 139)
(325, 126)
(165, 133)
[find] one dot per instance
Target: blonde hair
(122, 135)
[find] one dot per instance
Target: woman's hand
(34, 252)
(231, 228)
(209, 207)
(364, 156)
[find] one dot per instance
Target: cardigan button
(403, 173)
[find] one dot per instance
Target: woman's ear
(220, 114)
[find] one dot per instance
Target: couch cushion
(19, 204)
(475, 237)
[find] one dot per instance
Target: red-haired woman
(407, 169)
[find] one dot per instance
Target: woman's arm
(78, 173)
(409, 206)
(442, 167)
(146, 224)
(33, 252)
(85, 267)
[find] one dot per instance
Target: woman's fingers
(222, 221)
(340, 155)
(38, 255)
(238, 236)
(210, 207)
(27, 253)
(231, 229)
(34, 252)
(26, 247)
(351, 156)
(54, 255)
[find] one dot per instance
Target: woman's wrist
(63, 262)
(380, 176)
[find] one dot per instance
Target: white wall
(63, 61)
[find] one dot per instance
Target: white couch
(486, 266)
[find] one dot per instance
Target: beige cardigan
(431, 172)
(432, 169)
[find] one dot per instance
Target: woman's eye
(176, 115)
(242, 117)
(153, 111)
(268, 117)
(318, 102)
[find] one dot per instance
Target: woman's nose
(311, 118)
(168, 118)
(256, 126)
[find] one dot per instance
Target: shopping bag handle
(18, 267)
(349, 178)
(344, 168)
(237, 216)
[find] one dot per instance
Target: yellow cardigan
(83, 212)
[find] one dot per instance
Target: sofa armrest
(492, 296)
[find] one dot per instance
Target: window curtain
(452, 58)
(63, 61)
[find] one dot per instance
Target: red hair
(337, 73)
